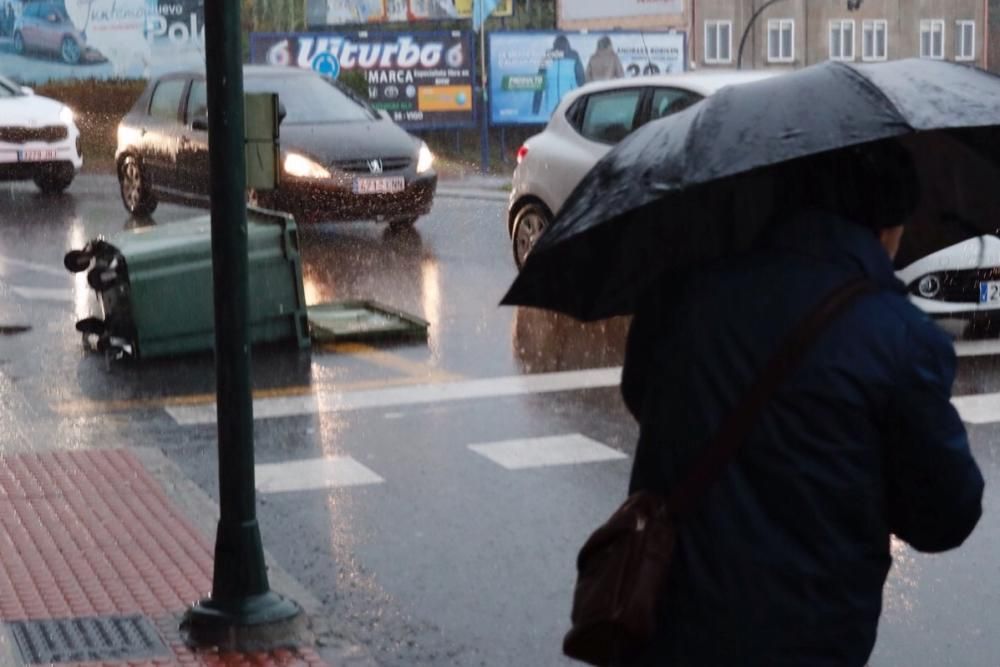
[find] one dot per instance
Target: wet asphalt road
(449, 559)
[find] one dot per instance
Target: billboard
(345, 12)
(422, 79)
(83, 39)
(602, 10)
(530, 72)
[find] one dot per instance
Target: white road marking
(43, 294)
(978, 408)
(310, 474)
(32, 266)
(977, 348)
(551, 451)
(517, 385)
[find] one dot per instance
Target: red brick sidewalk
(91, 534)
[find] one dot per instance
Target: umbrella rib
(858, 76)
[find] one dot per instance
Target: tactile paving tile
(90, 533)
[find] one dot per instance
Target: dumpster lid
(362, 320)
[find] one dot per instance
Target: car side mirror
(282, 112)
(200, 122)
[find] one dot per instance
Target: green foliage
(274, 15)
(356, 81)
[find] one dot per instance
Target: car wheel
(531, 221)
(54, 183)
(18, 43)
(134, 189)
(70, 51)
(403, 223)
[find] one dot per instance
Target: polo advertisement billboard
(44, 40)
(341, 12)
(530, 72)
(422, 79)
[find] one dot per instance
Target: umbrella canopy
(694, 187)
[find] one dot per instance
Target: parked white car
(962, 281)
(39, 139)
(588, 122)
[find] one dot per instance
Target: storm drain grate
(93, 639)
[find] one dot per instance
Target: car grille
(362, 166)
(20, 135)
(960, 286)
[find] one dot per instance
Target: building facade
(797, 33)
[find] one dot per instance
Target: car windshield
(309, 99)
(9, 88)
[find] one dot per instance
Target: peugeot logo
(375, 166)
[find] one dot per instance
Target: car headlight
(425, 159)
(303, 167)
(67, 116)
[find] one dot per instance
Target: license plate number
(38, 155)
(384, 185)
(989, 292)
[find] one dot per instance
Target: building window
(781, 40)
(842, 40)
(873, 39)
(718, 42)
(965, 40)
(932, 39)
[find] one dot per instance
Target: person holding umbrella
(794, 407)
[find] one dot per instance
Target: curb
(202, 511)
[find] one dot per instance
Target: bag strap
(716, 456)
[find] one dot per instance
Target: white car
(588, 122)
(39, 140)
(962, 281)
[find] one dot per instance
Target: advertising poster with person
(421, 79)
(45, 40)
(530, 72)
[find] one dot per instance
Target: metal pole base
(255, 623)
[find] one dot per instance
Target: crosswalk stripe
(554, 450)
(34, 267)
(517, 385)
(310, 474)
(43, 294)
(977, 348)
(978, 408)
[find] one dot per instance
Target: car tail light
(522, 153)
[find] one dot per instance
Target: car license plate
(989, 292)
(37, 155)
(379, 185)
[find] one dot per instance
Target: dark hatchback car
(340, 158)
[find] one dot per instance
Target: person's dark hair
(561, 43)
(876, 185)
(604, 42)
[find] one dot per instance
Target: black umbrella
(689, 188)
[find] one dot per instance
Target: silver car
(588, 122)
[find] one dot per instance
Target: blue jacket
(783, 561)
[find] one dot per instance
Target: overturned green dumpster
(155, 287)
